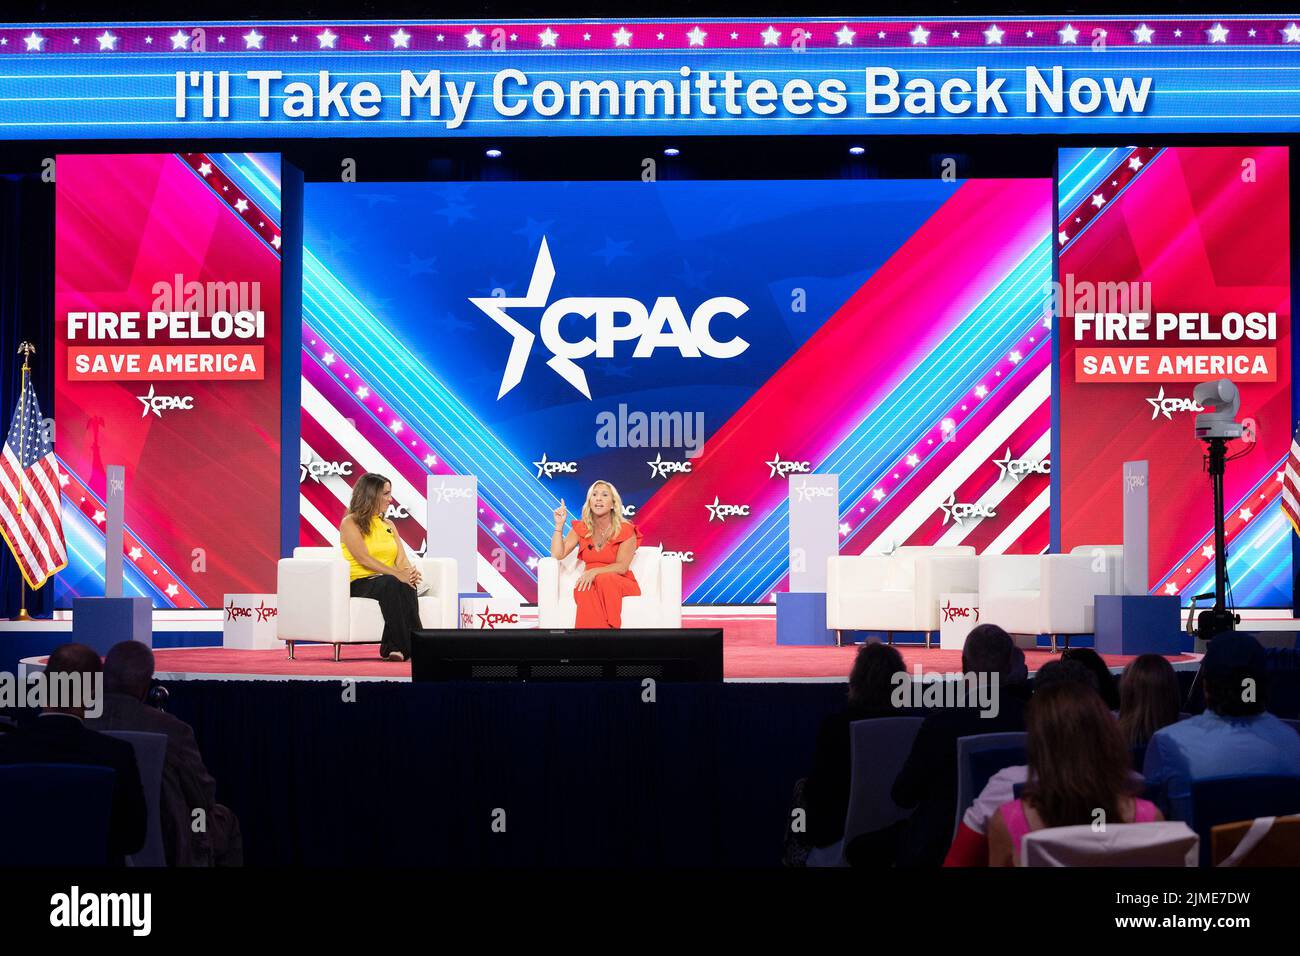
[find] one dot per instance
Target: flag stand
(25, 349)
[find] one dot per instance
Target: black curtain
(26, 314)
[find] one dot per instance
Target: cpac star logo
(1017, 468)
(662, 469)
(959, 511)
(784, 469)
(160, 403)
(629, 511)
(723, 512)
(234, 611)
(662, 326)
(952, 612)
(548, 469)
(1163, 406)
(442, 493)
(265, 613)
(685, 557)
(490, 619)
(806, 490)
(315, 469)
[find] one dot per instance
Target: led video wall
(695, 343)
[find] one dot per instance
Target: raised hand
(560, 514)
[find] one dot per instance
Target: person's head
(990, 650)
(1078, 762)
(128, 669)
(1057, 671)
(871, 682)
(1233, 672)
(1148, 698)
(67, 685)
(603, 501)
(1106, 684)
(371, 496)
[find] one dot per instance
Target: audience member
(1235, 735)
(971, 847)
(1148, 698)
(1078, 768)
(1107, 686)
(187, 786)
(928, 780)
(59, 735)
(826, 791)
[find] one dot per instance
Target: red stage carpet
(750, 652)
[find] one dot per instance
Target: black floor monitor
(679, 654)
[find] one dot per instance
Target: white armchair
(895, 592)
(316, 604)
(658, 605)
(1048, 593)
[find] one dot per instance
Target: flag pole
(25, 349)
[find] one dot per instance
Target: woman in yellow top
(380, 569)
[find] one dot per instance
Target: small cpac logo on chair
(487, 619)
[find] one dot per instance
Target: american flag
(34, 529)
(1291, 483)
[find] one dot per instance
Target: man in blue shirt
(1234, 737)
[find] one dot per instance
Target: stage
(750, 653)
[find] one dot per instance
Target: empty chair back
(1119, 844)
(1233, 799)
(1267, 841)
(979, 757)
(150, 755)
(55, 814)
(879, 747)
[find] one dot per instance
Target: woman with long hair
(379, 567)
(1148, 698)
(605, 544)
(1078, 772)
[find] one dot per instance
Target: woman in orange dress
(605, 544)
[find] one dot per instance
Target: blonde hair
(615, 511)
(365, 500)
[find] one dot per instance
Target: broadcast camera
(1215, 426)
(1221, 401)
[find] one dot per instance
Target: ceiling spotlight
(672, 151)
(857, 150)
(493, 153)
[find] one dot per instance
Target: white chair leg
(839, 638)
(337, 649)
(890, 636)
(1053, 643)
(289, 644)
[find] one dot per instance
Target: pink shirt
(1013, 815)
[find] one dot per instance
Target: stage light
(493, 153)
(672, 151)
(857, 150)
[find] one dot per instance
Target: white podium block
(489, 614)
(958, 615)
(248, 622)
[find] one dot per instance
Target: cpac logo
(548, 469)
(723, 512)
(662, 469)
(784, 469)
(442, 493)
(490, 619)
(1017, 468)
(116, 487)
(317, 469)
(953, 613)
(662, 326)
(235, 612)
(629, 511)
(396, 511)
(685, 557)
(1164, 406)
(959, 511)
(160, 403)
(1134, 481)
(807, 491)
